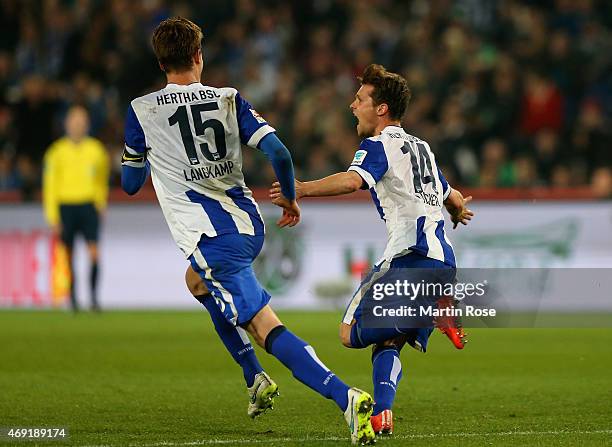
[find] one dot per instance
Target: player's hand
(459, 213)
(291, 215)
(275, 191)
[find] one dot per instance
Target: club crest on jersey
(360, 155)
(257, 116)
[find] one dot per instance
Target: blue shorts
(426, 269)
(225, 264)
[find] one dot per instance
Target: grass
(163, 379)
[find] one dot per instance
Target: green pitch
(163, 379)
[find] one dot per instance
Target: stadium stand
(513, 94)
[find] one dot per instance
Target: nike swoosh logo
(352, 414)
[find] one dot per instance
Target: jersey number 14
(422, 173)
(180, 117)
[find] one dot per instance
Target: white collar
(390, 126)
(184, 85)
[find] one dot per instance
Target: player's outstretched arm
(455, 204)
(332, 185)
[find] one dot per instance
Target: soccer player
(409, 191)
(75, 192)
(188, 136)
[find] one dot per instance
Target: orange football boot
(451, 325)
(382, 423)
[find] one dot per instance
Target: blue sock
(386, 374)
(306, 367)
(235, 340)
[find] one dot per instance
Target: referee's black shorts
(79, 219)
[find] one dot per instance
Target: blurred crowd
(508, 93)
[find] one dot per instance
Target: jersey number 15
(180, 117)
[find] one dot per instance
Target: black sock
(73, 301)
(93, 284)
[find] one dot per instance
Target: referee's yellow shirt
(75, 173)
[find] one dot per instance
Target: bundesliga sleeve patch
(360, 155)
(257, 116)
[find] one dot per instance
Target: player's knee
(387, 343)
(194, 283)
(395, 343)
(190, 280)
(346, 342)
(345, 334)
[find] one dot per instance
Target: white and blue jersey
(192, 135)
(408, 190)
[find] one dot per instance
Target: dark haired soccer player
(189, 136)
(409, 191)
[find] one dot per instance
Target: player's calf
(194, 283)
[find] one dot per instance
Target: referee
(75, 192)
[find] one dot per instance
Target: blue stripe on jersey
(221, 220)
(421, 245)
(247, 123)
(375, 161)
(245, 204)
(134, 135)
(443, 181)
(449, 255)
(377, 203)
